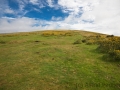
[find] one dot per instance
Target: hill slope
(52, 60)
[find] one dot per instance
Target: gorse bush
(57, 33)
(93, 39)
(90, 42)
(111, 46)
(115, 54)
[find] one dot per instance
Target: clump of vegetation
(78, 41)
(110, 46)
(57, 33)
(90, 42)
(110, 36)
(37, 41)
(115, 55)
(84, 40)
(2, 42)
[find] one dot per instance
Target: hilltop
(59, 60)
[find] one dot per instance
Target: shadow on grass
(108, 58)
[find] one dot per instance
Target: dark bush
(110, 36)
(2, 42)
(84, 40)
(115, 54)
(78, 41)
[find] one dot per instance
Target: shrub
(115, 54)
(110, 36)
(111, 46)
(90, 42)
(57, 33)
(68, 34)
(2, 42)
(78, 41)
(84, 40)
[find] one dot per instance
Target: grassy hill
(57, 60)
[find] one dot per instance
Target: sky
(101, 16)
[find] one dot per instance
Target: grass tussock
(78, 41)
(2, 42)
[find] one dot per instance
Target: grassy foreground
(50, 61)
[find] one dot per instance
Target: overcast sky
(32, 15)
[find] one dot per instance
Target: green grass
(31, 61)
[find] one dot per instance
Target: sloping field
(55, 60)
